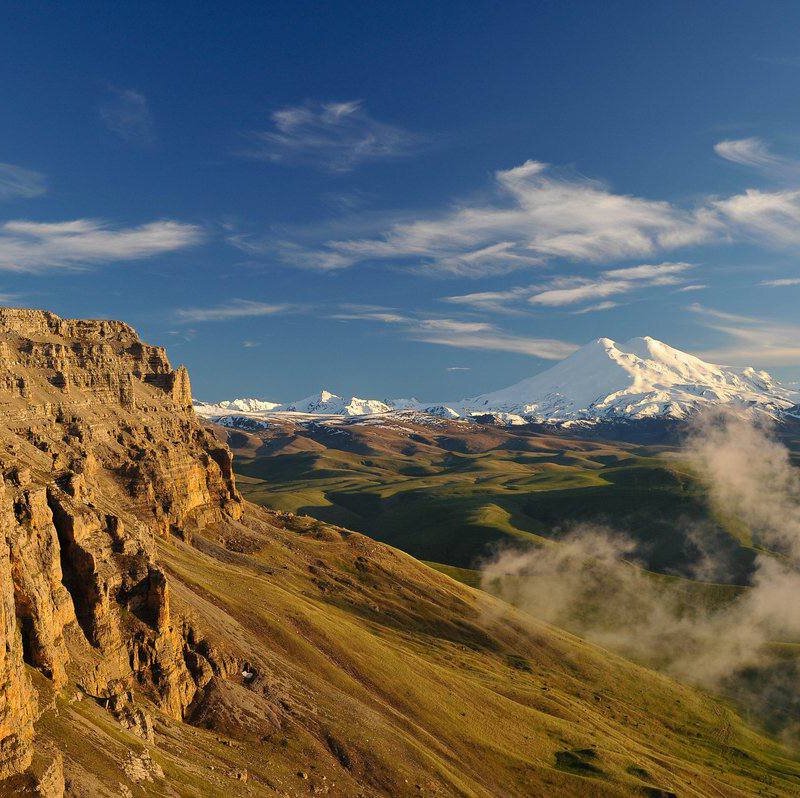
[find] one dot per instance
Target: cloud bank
(588, 583)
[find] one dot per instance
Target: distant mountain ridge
(323, 403)
(642, 379)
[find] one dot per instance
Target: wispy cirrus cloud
(754, 341)
(752, 152)
(333, 136)
(462, 334)
(755, 153)
(572, 290)
(566, 290)
(544, 348)
(600, 306)
(692, 287)
(492, 301)
(126, 113)
(234, 309)
(771, 218)
(650, 273)
(27, 246)
(781, 282)
(18, 182)
(537, 216)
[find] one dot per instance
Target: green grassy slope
(452, 496)
(379, 676)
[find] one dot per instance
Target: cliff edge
(100, 456)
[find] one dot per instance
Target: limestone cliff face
(100, 454)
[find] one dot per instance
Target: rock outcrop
(100, 455)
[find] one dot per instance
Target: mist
(723, 638)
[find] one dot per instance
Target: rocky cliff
(100, 456)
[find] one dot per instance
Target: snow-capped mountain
(323, 403)
(442, 411)
(227, 407)
(249, 405)
(327, 403)
(640, 379)
(403, 404)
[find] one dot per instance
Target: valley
(451, 492)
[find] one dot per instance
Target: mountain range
(642, 379)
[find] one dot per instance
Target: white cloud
(18, 182)
(770, 217)
(537, 217)
(693, 287)
(458, 368)
(34, 246)
(571, 290)
(126, 113)
(755, 153)
(755, 341)
(545, 348)
(466, 334)
(600, 306)
(648, 271)
(781, 281)
(371, 314)
(303, 258)
(491, 301)
(235, 309)
(333, 136)
(453, 326)
(494, 259)
(748, 152)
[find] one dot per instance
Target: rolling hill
(451, 491)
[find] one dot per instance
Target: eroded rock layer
(100, 455)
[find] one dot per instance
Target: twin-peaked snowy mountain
(641, 379)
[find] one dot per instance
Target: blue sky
(393, 199)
